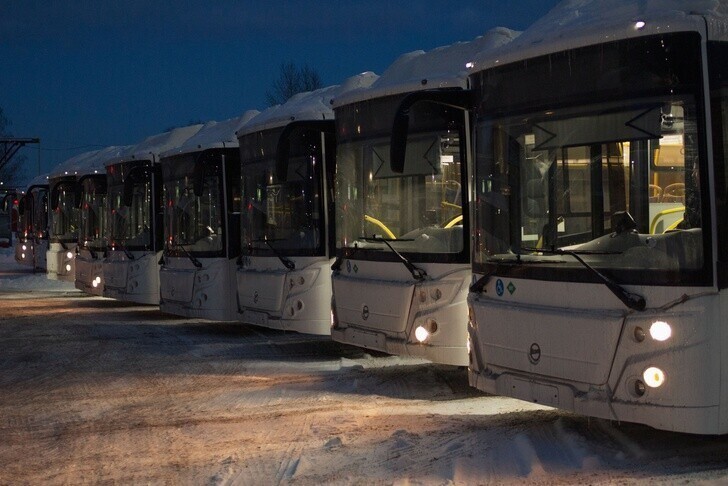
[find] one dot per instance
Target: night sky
(88, 74)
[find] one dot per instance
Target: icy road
(93, 390)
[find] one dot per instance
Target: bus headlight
(68, 268)
(660, 331)
(25, 247)
(424, 331)
(69, 255)
(654, 377)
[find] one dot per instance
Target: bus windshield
(130, 227)
(420, 210)
(93, 213)
(65, 214)
(40, 212)
(284, 217)
(193, 221)
(617, 182)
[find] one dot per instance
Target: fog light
(654, 377)
(422, 334)
(95, 283)
(22, 255)
(639, 388)
(660, 331)
(25, 247)
(69, 255)
(68, 268)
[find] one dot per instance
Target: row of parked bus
(547, 208)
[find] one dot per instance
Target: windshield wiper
(633, 301)
(128, 254)
(417, 273)
(189, 255)
(289, 264)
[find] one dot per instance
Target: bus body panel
(89, 273)
(378, 305)
(132, 280)
(523, 362)
(61, 261)
(270, 295)
(207, 292)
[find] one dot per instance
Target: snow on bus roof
(151, 147)
(443, 67)
(214, 134)
(90, 162)
(41, 180)
(574, 23)
(311, 105)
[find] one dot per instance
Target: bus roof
(312, 105)
(443, 67)
(151, 147)
(575, 23)
(214, 134)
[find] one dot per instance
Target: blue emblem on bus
(499, 288)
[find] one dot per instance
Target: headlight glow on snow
(654, 377)
(660, 331)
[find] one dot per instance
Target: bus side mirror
(455, 98)
(283, 148)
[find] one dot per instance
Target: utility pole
(11, 145)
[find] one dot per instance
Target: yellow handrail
(457, 219)
(674, 225)
(380, 225)
(664, 212)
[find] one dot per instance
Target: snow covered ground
(94, 390)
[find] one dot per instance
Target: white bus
(284, 277)
(134, 196)
(202, 223)
(93, 223)
(31, 240)
(600, 239)
(401, 276)
(64, 216)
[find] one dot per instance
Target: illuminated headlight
(68, 268)
(95, 284)
(25, 247)
(654, 377)
(69, 255)
(22, 255)
(423, 332)
(660, 331)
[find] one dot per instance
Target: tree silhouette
(292, 80)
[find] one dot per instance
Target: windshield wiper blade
(289, 264)
(633, 301)
(417, 273)
(189, 255)
(128, 254)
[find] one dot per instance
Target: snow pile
(69, 166)
(312, 105)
